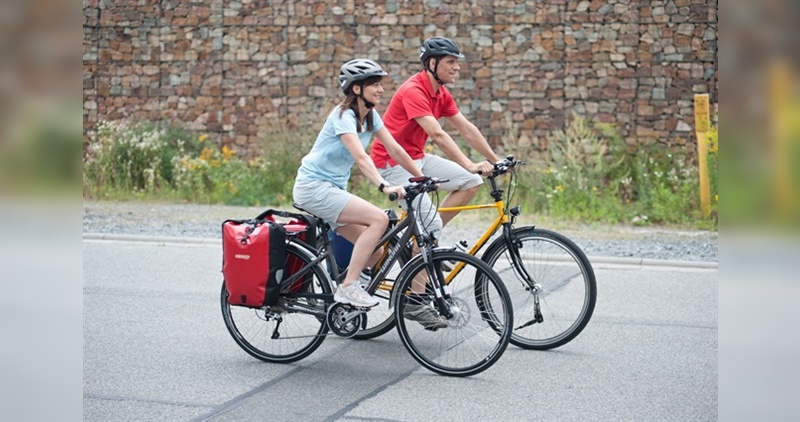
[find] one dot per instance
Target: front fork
(437, 282)
(513, 247)
(441, 291)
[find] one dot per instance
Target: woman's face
(373, 92)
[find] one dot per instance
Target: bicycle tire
(468, 344)
(300, 333)
(568, 287)
(380, 318)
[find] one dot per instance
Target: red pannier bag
(253, 259)
(305, 228)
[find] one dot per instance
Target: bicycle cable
(426, 223)
(511, 189)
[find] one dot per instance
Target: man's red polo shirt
(414, 98)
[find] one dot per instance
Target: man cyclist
(412, 118)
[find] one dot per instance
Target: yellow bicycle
(551, 282)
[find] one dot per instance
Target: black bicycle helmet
(357, 70)
(437, 47)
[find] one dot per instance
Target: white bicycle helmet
(358, 70)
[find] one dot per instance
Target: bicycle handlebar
(418, 185)
(504, 166)
(424, 184)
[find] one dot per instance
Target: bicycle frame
(502, 220)
(324, 252)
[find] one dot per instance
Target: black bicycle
(470, 301)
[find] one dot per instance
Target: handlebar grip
(392, 196)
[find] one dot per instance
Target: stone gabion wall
(240, 70)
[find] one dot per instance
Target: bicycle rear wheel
(564, 278)
(478, 329)
(291, 329)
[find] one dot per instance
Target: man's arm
(443, 140)
(473, 136)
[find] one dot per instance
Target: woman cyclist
(321, 184)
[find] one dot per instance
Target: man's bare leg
(457, 199)
(454, 199)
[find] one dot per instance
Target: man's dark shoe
(425, 315)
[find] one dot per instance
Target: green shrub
(576, 177)
(282, 152)
(155, 162)
(135, 158)
(663, 186)
(589, 173)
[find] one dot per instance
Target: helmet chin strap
(367, 104)
(434, 72)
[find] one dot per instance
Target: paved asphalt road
(155, 348)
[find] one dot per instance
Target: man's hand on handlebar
(482, 168)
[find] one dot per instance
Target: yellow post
(780, 116)
(702, 124)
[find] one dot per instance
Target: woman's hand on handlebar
(395, 192)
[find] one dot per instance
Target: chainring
(345, 320)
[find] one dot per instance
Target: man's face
(448, 69)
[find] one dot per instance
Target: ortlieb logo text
(241, 256)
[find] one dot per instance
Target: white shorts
(438, 167)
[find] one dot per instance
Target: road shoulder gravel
(200, 223)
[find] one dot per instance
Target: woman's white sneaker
(354, 295)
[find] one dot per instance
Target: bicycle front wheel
(466, 332)
(555, 305)
(291, 329)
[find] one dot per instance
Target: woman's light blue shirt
(329, 159)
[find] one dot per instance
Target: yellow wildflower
(206, 154)
(228, 153)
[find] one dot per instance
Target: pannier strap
(281, 213)
(250, 228)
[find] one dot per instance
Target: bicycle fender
(500, 240)
(310, 253)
